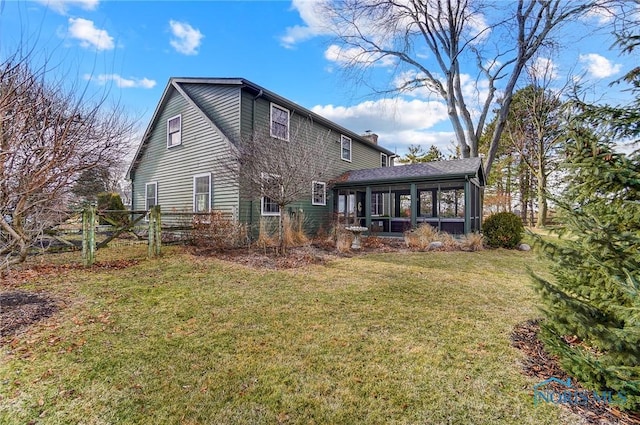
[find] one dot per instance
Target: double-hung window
(279, 122)
(384, 160)
(318, 193)
(202, 193)
(174, 131)
(345, 148)
(270, 185)
(150, 195)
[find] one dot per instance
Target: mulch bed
(541, 365)
(301, 256)
(19, 309)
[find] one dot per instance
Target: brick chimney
(371, 136)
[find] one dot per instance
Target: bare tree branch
(502, 40)
(283, 170)
(50, 132)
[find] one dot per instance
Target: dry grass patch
(383, 338)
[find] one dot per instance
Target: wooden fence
(142, 224)
(90, 214)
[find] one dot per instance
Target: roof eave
(316, 117)
(412, 179)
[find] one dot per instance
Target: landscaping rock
(524, 247)
(436, 245)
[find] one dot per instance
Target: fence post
(155, 235)
(89, 235)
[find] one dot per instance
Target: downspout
(253, 128)
(133, 202)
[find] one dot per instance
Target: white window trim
(169, 146)
(262, 212)
(267, 214)
(324, 193)
(194, 191)
(271, 121)
(146, 197)
(384, 155)
(342, 138)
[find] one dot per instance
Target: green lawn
(385, 338)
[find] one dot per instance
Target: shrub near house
(503, 230)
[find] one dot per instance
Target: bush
(503, 230)
(218, 232)
(117, 215)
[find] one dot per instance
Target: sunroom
(391, 200)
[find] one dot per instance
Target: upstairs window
(319, 193)
(384, 160)
(202, 193)
(345, 148)
(279, 122)
(174, 131)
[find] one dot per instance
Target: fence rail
(146, 226)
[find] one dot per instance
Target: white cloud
(444, 140)
(543, 68)
(602, 15)
(355, 55)
(386, 115)
(398, 122)
(62, 6)
(90, 36)
(121, 82)
(314, 23)
(599, 66)
(187, 39)
(475, 91)
(478, 29)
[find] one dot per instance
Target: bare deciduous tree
(535, 129)
(434, 45)
(50, 132)
(281, 172)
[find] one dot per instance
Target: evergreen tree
(592, 305)
(415, 155)
(92, 182)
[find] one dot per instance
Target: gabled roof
(428, 171)
(175, 83)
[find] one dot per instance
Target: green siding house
(182, 162)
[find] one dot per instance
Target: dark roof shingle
(429, 170)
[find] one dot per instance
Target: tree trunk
(281, 231)
(542, 200)
(524, 195)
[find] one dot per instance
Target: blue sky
(135, 47)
